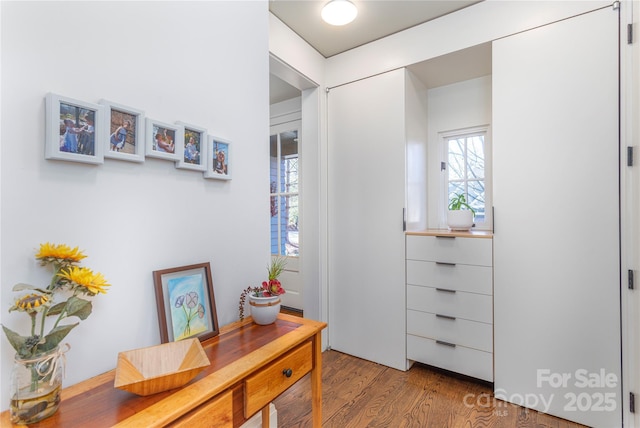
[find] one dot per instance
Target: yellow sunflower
(84, 277)
(59, 252)
(30, 302)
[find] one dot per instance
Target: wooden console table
(250, 366)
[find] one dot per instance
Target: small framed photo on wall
(219, 161)
(164, 140)
(194, 153)
(125, 139)
(74, 130)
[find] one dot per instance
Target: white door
(285, 209)
(366, 197)
(556, 199)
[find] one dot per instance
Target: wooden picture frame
(219, 161)
(186, 304)
(164, 140)
(74, 130)
(125, 132)
(195, 150)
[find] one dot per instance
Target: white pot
(264, 310)
(460, 219)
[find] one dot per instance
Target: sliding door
(556, 198)
(366, 198)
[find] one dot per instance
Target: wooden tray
(147, 371)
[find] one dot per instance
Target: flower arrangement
(68, 280)
(269, 288)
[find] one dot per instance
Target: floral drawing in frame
(186, 304)
(126, 128)
(219, 160)
(164, 140)
(194, 153)
(74, 130)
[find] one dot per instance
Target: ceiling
(376, 19)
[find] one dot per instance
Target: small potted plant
(265, 300)
(460, 215)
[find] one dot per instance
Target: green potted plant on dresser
(460, 215)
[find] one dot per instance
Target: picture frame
(219, 161)
(74, 130)
(195, 149)
(186, 303)
(158, 134)
(125, 132)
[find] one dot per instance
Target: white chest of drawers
(450, 301)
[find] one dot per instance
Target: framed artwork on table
(74, 130)
(164, 140)
(126, 128)
(219, 160)
(186, 304)
(194, 153)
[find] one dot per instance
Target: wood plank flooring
(358, 393)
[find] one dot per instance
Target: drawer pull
(287, 372)
(446, 236)
(445, 263)
(442, 342)
(447, 317)
(445, 290)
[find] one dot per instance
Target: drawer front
(265, 385)
(472, 334)
(459, 304)
(215, 413)
(459, 359)
(470, 251)
(471, 278)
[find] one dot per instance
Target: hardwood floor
(358, 393)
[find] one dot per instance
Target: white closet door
(556, 198)
(366, 194)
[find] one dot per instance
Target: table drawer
(459, 304)
(217, 412)
(265, 385)
(472, 334)
(459, 359)
(471, 251)
(475, 279)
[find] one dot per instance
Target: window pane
(274, 225)
(475, 157)
(455, 187)
(288, 150)
(290, 232)
(456, 159)
(476, 198)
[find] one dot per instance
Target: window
(466, 173)
(284, 192)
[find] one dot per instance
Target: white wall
(205, 63)
(304, 68)
(452, 107)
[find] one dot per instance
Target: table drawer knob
(287, 372)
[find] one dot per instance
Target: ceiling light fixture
(339, 12)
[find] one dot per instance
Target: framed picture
(186, 306)
(219, 160)
(164, 140)
(194, 153)
(125, 132)
(72, 129)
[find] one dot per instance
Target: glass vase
(35, 386)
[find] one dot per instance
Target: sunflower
(59, 252)
(30, 303)
(83, 277)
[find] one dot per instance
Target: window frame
(277, 130)
(443, 203)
